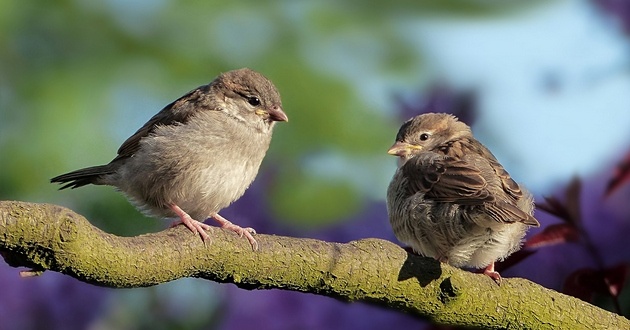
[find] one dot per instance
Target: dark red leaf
(621, 176)
(554, 207)
(441, 327)
(554, 234)
(583, 283)
(573, 193)
(570, 211)
(615, 278)
(513, 259)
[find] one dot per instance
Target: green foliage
(78, 77)
(309, 200)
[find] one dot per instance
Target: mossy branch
(49, 237)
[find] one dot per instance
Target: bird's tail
(82, 177)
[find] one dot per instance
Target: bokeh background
(544, 84)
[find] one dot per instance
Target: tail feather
(82, 177)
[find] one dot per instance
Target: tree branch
(50, 237)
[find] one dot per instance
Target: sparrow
(197, 155)
(451, 200)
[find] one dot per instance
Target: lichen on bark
(45, 237)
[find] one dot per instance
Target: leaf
(554, 207)
(573, 192)
(570, 211)
(621, 176)
(554, 234)
(585, 282)
(615, 278)
(440, 327)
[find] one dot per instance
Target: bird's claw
(493, 274)
(240, 231)
(192, 224)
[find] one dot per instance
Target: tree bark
(49, 237)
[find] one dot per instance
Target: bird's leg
(247, 232)
(192, 224)
(492, 273)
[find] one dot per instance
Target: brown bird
(197, 155)
(450, 199)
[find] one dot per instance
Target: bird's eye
(253, 100)
(424, 137)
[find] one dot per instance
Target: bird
(451, 199)
(197, 155)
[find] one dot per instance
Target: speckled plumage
(450, 199)
(198, 154)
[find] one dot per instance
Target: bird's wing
(508, 184)
(446, 179)
(177, 112)
(507, 212)
(450, 180)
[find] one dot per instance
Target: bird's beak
(401, 149)
(275, 114)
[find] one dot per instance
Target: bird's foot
(489, 271)
(240, 231)
(192, 224)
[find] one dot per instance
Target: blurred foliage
(78, 77)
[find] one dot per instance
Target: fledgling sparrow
(450, 199)
(197, 155)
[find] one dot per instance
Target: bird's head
(257, 99)
(427, 132)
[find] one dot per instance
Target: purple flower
(620, 9)
(50, 301)
(440, 98)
